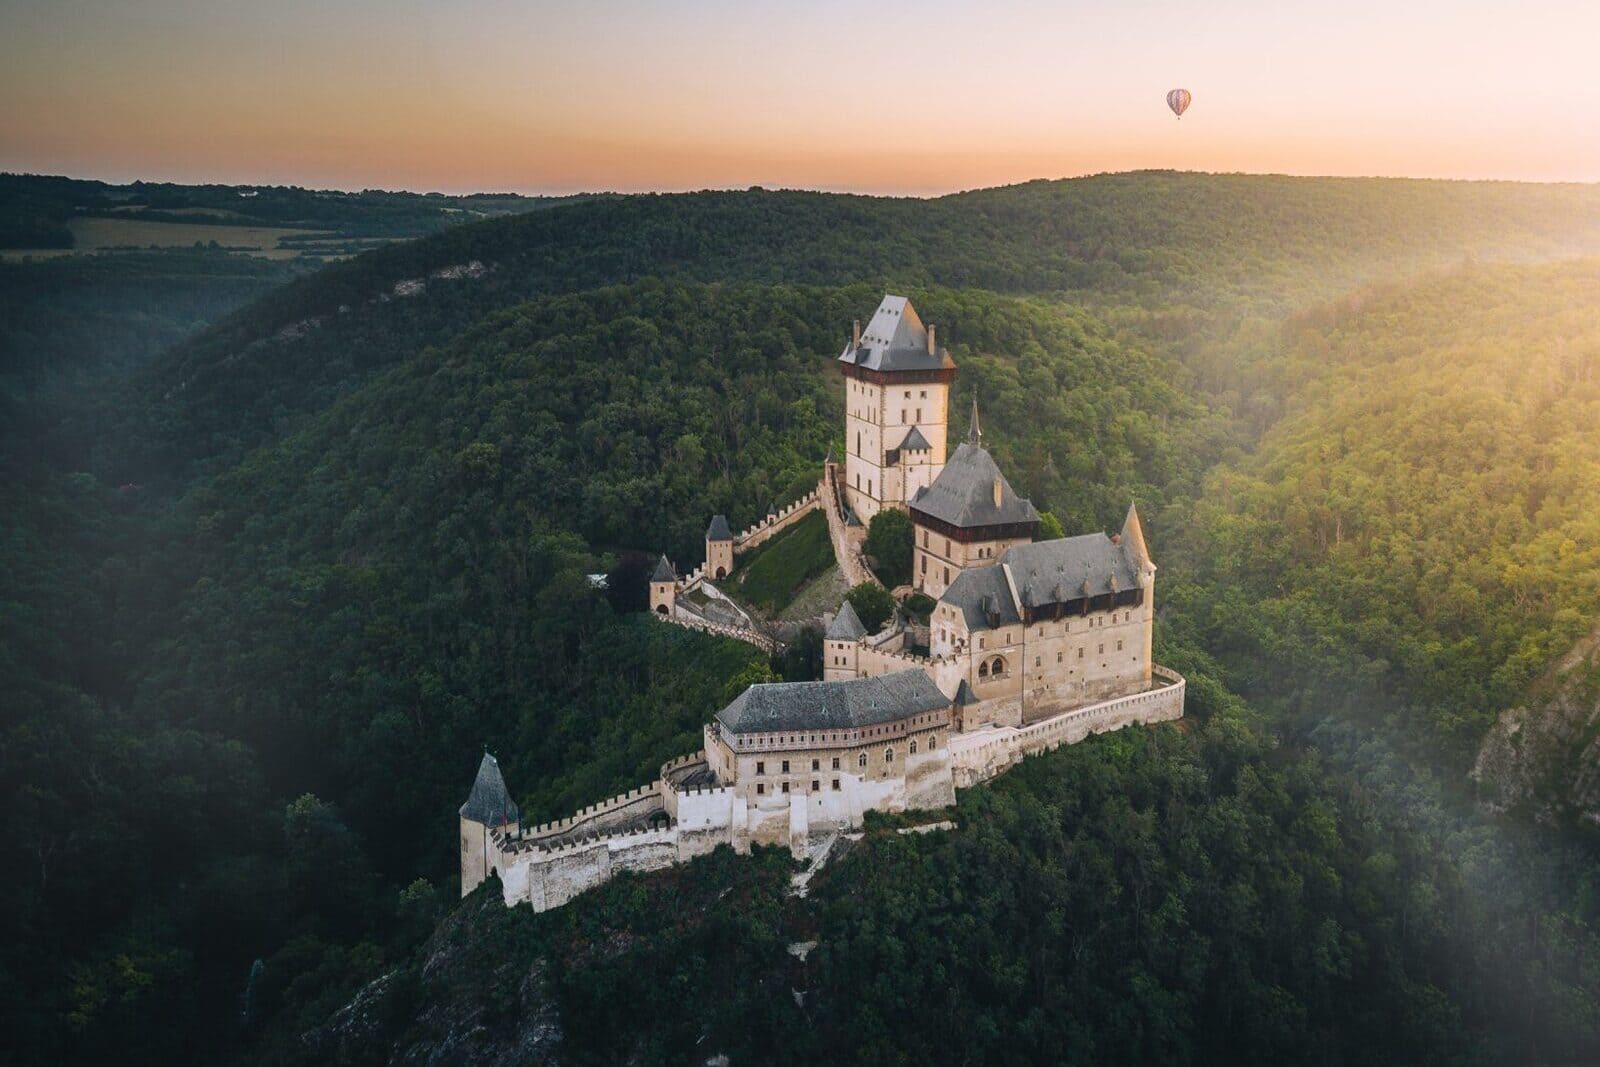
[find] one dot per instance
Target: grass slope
(770, 575)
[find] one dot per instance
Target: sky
(901, 98)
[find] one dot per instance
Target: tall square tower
(896, 408)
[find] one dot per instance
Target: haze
(914, 98)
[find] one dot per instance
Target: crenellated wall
(778, 521)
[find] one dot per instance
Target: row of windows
(835, 737)
(816, 787)
(861, 758)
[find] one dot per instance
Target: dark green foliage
(889, 546)
(1049, 527)
(771, 574)
(873, 605)
(801, 658)
(399, 576)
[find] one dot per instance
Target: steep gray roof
(1045, 572)
(963, 494)
(915, 442)
(965, 697)
(846, 626)
(1089, 565)
(979, 592)
(895, 340)
(663, 572)
(490, 802)
(718, 530)
(839, 705)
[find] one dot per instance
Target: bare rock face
(470, 1001)
(1543, 759)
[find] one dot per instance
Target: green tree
(872, 603)
(754, 673)
(1050, 526)
(889, 544)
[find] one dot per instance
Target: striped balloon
(1178, 101)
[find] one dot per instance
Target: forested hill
(243, 701)
(1185, 248)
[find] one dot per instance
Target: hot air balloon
(1178, 101)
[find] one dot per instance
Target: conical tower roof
(846, 626)
(490, 802)
(664, 571)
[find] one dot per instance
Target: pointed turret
(846, 626)
(490, 802)
(1132, 537)
(974, 429)
(664, 571)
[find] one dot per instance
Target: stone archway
(722, 572)
(661, 609)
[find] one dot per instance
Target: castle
(1029, 645)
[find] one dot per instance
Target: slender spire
(1132, 536)
(974, 429)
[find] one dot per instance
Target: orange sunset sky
(913, 98)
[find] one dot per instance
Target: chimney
(855, 337)
(997, 492)
(933, 346)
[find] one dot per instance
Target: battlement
(622, 802)
(776, 522)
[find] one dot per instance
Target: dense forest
(270, 586)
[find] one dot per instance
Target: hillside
(362, 554)
(1420, 534)
(1195, 253)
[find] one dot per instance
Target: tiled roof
(718, 530)
(490, 802)
(895, 340)
(963, 494)
(846, 626)
(837, 705)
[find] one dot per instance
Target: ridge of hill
(1190, 249)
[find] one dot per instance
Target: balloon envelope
(1178, 101)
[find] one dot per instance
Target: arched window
(983, 669)
(888, 755)
(913, 747)
(861, 760)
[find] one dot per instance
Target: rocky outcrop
(1542, 759)
(469, 1000)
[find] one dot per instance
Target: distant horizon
(468, 191)
(889, 98)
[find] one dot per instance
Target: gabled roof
(718, 530)
(839, 705)
(963, 494)
(664, 572)
(1069, 568)
(895, 340)
(915, 442)
(490, 802)
(1042, 573)
(846, 626)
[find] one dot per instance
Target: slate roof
(1045, 572)
(980, 591)
(718, 530)
(664, 572)
(965, 697)
(963, 494)
(490, 802)
(1089, 565)
(915, 442)
(847, 704)
(846, 626)
(895, 340)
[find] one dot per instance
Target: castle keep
(1030, 645)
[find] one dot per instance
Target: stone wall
(778, 521)
(978, 756)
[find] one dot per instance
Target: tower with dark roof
(841, 645)
(719, 548)
(968, 517)
(663, 587)
(489, 808)
(897, 401)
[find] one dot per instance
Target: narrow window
(861, 760)
(836, 785)
(761, 766)
(761, 789)
(816, 764)
(913, 747)
(816, 786)
(1119, 646)
(785, 787)
(888, 755)
(1102, 650)
(836, 763)
(785, 766)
